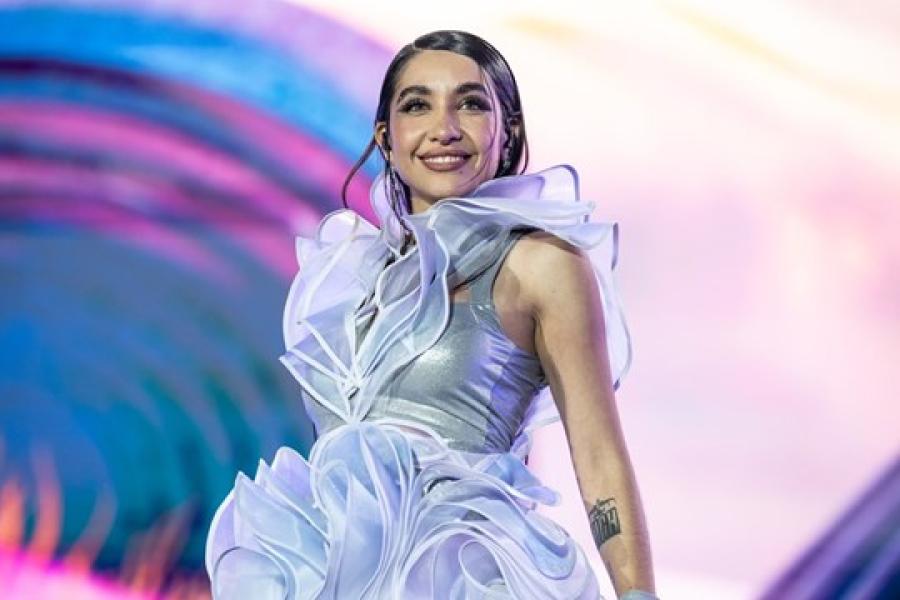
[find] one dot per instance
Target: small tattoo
(604, 519)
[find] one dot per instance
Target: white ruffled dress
(361, 518)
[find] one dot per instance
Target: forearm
(618, 527)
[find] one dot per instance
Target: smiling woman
(422, 348)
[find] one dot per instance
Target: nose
(445, 127)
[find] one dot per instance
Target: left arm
(570, 340)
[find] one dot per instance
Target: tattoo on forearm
(604, 519)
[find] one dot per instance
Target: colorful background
(157, 158)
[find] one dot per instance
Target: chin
(450, 189)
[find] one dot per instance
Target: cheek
(403, 138)
(403, 145)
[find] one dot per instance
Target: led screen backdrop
(155, 163)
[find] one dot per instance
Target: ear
(379, 136)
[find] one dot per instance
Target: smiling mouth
(447, 162)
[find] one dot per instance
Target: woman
(421, 349)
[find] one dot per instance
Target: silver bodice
(472, 386)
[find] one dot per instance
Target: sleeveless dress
(415, 486)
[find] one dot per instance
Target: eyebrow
(424, 90)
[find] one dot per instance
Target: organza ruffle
(378, 512)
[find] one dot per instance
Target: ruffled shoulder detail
(338, 269)
(351, 268)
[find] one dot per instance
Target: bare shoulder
(551, 271)
(545, 246)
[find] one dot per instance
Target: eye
(477, 102)
(412, 105)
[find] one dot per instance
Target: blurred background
(158, 157)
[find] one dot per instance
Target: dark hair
(502, 79)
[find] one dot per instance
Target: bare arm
(571, 343)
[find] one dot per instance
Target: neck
(421, 205)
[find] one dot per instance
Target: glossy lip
(443, 167)
(444, 152)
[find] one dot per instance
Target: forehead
(439, 70)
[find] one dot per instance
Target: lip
(444, 152)
(444, 166)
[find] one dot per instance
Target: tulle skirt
(381, 511)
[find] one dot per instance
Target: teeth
(444, 159)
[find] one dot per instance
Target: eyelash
(478, 102)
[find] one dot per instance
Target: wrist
(638, 595)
